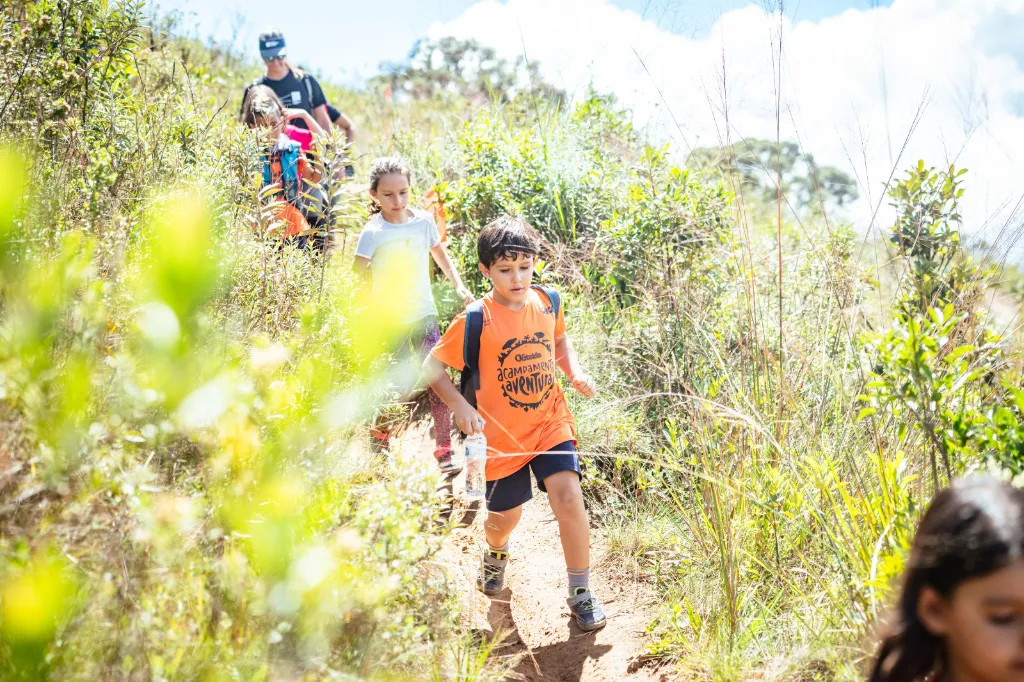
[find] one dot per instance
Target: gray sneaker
(491, 580)
(587, 611)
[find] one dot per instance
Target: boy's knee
(565, 495)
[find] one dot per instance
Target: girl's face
(982, 625)
(271, 126)
(392, 195)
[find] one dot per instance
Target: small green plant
(927, 237)
(923, 374)
(938, 372)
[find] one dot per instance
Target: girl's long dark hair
(386, 165)
(970, 530)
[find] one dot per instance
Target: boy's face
(511, 277)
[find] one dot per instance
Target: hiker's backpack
(283, 167)
(470, 381)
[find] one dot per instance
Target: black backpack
(470, 382)
(305, 81)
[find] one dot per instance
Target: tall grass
(183, 493)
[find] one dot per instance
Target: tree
(754, 162)
(467, 69)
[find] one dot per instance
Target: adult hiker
(295, 88)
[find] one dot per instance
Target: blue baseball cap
(272, 47)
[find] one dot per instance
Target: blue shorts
(515, 489)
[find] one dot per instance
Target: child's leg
(442, 421)
(438, 410)
(499, 526)
(566, 499)
(505, 500)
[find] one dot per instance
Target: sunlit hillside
(188, 485)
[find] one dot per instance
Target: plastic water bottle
(476, 465)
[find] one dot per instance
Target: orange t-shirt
(294, 222)
(519, 397)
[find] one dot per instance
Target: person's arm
(444, 261)
(364, 278)
(306, 118)
(361, 266)
(310, 173)
(320, 114)
(467, 418)
(346, 124)
(565, 356)
(318, 104)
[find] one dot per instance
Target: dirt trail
(532, 613)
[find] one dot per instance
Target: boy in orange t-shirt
(521, 409)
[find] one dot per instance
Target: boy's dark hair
(507, 237)
(971, 529)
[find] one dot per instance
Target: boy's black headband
(517, 248)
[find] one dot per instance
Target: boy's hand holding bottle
(585, 385)
(468, 420)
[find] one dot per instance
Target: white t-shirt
(400, 262)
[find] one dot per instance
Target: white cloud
(851, 84)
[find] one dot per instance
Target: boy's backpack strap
(471, 346)
(553, 296)
(471, 351)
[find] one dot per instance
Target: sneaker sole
(490, 593)
(591, 628)
(452, 472)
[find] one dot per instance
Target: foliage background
(183, 493)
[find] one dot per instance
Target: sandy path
(539, 632)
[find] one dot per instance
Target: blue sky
(348, 39)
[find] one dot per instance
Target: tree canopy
(464, 68)
(805, 183)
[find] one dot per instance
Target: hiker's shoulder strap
(553, 296)
(474, 327)
(309, 89)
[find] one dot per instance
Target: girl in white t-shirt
(393, 253)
